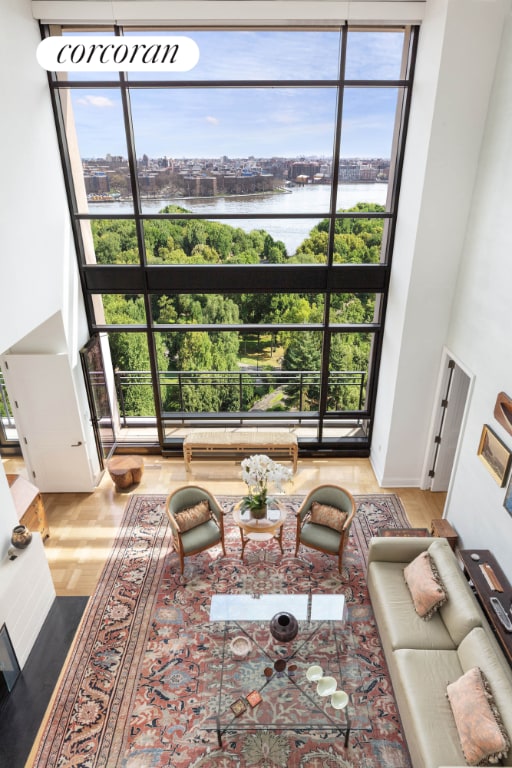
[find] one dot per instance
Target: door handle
(75, 445)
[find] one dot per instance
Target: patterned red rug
(136, 691)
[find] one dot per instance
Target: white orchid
(260, 472)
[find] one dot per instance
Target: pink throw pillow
(426, 588)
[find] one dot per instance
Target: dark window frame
(147, 279)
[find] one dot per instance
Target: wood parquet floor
(83, 526)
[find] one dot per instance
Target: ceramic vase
(283, 627)
(21, 536)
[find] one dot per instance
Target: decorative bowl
(240, 646)
(339, 699)
(314, 673)
(326, 686)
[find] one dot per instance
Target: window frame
(148, 279)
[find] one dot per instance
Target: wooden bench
(247, 443)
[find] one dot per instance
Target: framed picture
(494, 454)
(503, 411)
(508, 497)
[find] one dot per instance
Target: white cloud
(95, 101)
(212, 120)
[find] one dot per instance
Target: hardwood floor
(83, 525)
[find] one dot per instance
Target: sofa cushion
(426, 588)
(200, 536)
(190, 517)
(461, 612)
(320, 537)
(324, 514)
(479, 726)
(419, 681)
(399, 624)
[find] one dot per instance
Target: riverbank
(291, 215)
(158, 198)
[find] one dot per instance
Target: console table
(442, 528)
(403, 532)
(29, 505)
(484, 591)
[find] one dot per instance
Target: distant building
(96, 183)
(303, 168)
(199, 186)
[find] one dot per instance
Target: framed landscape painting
(494, 454)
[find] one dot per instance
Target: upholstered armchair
(196, 520)
(324, 520)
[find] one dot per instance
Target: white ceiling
(229, 12)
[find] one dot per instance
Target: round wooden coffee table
(266, 529)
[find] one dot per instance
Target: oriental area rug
(140, 683)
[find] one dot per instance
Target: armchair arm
(350, 517)
(172, 522)
(303, 510)
(217, 511)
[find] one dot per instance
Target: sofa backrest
(460, 613)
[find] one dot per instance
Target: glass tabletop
(225, 607)
(266, 684)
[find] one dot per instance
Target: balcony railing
(5, 407)
(253, 392)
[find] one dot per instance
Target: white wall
(458, 48)
(453, 267)
(37, 264)
(480, 332)
(26, 596)
(41, 309)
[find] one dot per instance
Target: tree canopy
(356, 240)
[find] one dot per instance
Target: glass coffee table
(263, 684)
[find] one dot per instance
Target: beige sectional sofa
(424, 656)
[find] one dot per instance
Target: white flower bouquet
(260, 473)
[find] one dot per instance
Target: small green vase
(258, 513)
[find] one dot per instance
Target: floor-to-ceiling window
(235, 225)
(9, 441)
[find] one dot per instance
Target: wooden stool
(125, 470)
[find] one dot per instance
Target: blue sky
(239, 122)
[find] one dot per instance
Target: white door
(47, 415)
(451, 412)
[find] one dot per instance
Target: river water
(308, 199)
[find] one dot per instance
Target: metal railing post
(180, 391)
(120, 395)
